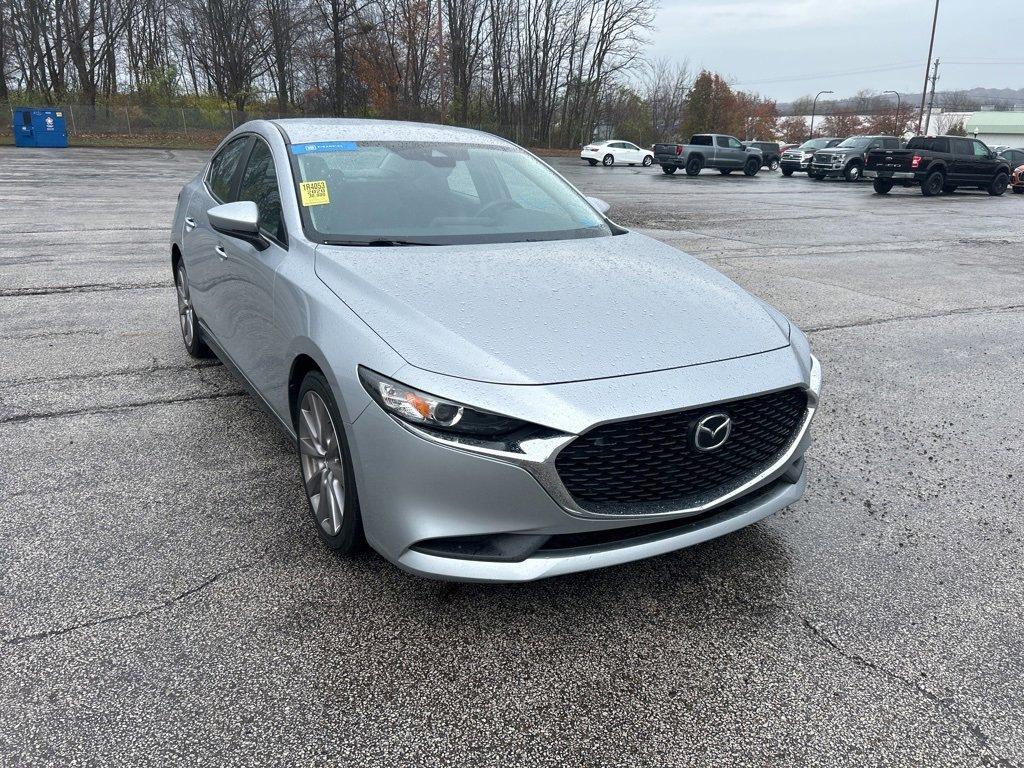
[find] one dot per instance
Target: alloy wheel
(323, 471)
(186, 314)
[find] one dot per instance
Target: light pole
(896, 120)
(928, 66)
(814, 108)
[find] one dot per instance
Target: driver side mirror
(743, 146)
(601, 206)
(240, 220)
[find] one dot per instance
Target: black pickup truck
(938, 164)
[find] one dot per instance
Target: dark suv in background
(770, 153)
(846, 158)
(799, 158)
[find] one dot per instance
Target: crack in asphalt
(162, 605)
(982, 310)
(948, 705)
(12, 383)
(81, 288)
(125, 407)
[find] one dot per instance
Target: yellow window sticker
(314, 193)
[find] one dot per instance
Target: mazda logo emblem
(712, 432)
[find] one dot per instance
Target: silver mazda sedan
(484, 377)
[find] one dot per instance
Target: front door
(204, 253)
(250, 336)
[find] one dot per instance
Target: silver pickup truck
(709, 150)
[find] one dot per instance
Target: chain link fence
(136, 123)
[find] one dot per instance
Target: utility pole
(931, 99)
(927, 66)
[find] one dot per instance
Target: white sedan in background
(613, 151)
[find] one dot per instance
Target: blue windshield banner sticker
(325, 146)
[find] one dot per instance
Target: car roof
(308, 130)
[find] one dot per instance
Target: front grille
(650, 465)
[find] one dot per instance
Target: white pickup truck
(709, 150)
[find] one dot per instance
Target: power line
(850, 72)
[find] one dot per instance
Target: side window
(734, 143)
(980, 150)
(956, 146)
(722, 141)
(461, 182)
(259, 184)
(223, 167)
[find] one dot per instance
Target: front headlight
(435, 413)
(841, 156)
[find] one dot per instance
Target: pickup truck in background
(799, 158)
(939, 165)
(846, 158)
(709, 150)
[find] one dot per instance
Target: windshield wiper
(376, 243)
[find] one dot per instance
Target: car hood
(549, 312)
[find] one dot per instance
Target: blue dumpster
(40, 127)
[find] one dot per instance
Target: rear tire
(694, 166)
(325, 466)
(1018, 190)
(773, 165)
(998, 185)
(188, 320)
(933, 184)
(607, 161)
(592, 162)
(668, 170)
(882, 186)
(787, 172)
(751, 167)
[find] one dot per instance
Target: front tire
(787, 172)
(773, 165)
(751, 167)
(882, 186)
(852, 172)
(607, 161)
(668, 170)
(725, 171)
(325, 466)
(187, 318)
(933, 184)
(693, 166)
(648, 159)
(592, 162)
(998, 185)
(1018, 190)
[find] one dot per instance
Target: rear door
(251, 339)
(726, 154)
(204, 263)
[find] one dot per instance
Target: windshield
(854, 141)
(815, 144)
(436, 194)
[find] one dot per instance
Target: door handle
(190, 223)
(221, 252)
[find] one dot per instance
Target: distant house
(996, 128)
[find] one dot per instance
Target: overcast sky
(804, 46)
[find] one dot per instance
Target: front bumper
(794, 165)
(415, 490)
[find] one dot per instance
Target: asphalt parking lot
(164, 600)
